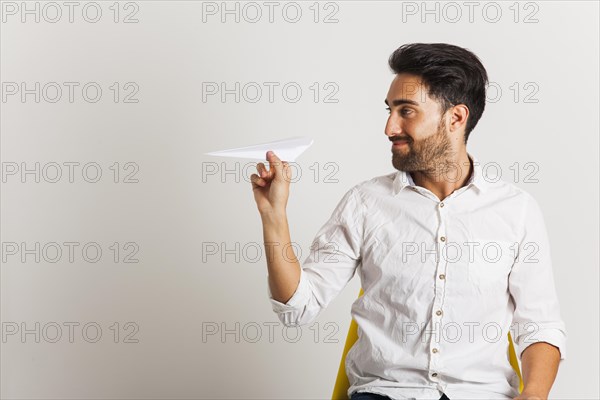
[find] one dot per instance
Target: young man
(449, 261)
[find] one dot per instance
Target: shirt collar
(403, 179)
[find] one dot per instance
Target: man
(449, 261)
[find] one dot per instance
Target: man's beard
(428, 155)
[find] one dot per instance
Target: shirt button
(438, 312)
(434, 374)
(442, 204)
(443, 239)
(442, 276)
(434, 350)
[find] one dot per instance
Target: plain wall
(179, 220)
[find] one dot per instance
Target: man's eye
(403, 111)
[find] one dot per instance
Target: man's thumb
(275, 162)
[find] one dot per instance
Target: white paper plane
(286, 149)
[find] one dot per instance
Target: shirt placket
(440, 286)
(435, 349)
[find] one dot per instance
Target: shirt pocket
(490, 263)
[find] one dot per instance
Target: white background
(543, 110)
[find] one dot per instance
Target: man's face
(416, 118)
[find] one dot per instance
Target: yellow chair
(340, 390)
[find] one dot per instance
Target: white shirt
(444, 282)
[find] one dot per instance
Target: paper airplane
(286, 149)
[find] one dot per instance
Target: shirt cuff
(553, 336)
(298, 300)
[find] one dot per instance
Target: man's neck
(445, 178)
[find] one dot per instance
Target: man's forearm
(282, 264)
(540, 366)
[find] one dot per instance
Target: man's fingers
(257, 180)
(262, 170)
(276, 168)
(263, 173)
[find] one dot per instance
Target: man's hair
(453, 75)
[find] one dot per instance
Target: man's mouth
(399, 142)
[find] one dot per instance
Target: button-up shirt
(444, 283)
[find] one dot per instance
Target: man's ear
(458, 117)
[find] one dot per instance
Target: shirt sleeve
(531, 284)
(330, 265)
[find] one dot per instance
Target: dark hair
(453, 75)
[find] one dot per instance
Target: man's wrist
(275, 217)
(532, 392)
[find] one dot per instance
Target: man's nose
(392, 127)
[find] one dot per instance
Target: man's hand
(271, 189)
